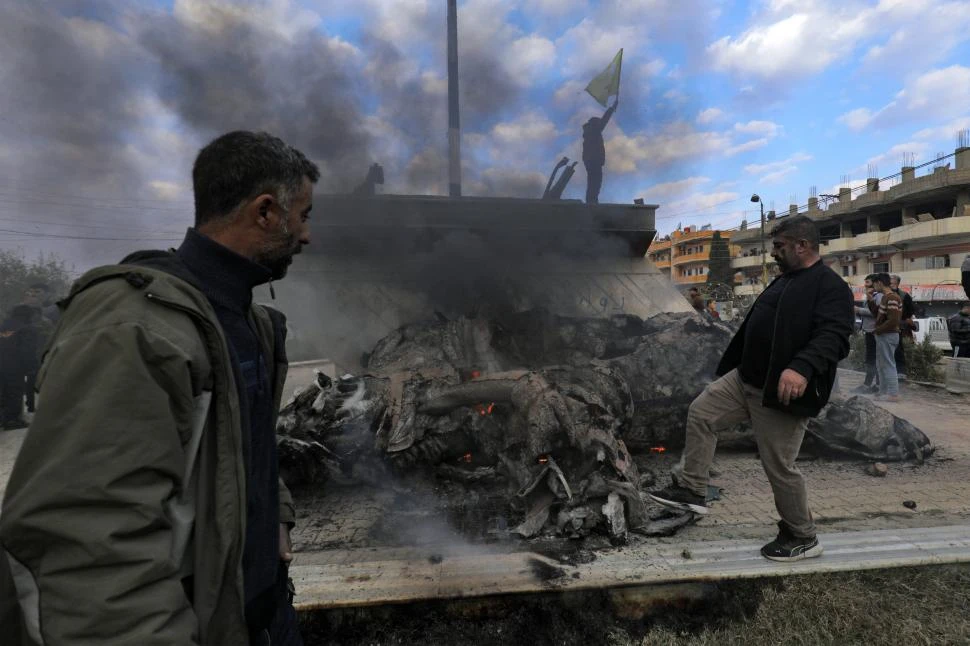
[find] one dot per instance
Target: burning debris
(539, 411)
(537, 405)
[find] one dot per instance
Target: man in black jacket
(777, 372)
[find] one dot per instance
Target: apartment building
(684, 255)
(918, 228)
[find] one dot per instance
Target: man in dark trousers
(777, 372)
(959, 326)
(145, 505)
(594, 152)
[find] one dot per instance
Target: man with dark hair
(868, 313)
(777, 372)
(959, 326)
(887, 336)
(145, 505)
(906, 324)
(594, 152)
(696, 300)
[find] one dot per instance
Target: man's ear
(259, 212)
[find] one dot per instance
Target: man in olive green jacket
(128, 518)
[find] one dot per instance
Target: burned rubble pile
(539, 406)
(542, 412)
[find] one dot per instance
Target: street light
(764, 262)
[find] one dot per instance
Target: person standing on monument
(777, 372)
(594, 152)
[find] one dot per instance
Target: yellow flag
(607, 82)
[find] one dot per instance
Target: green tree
(720, 271)
(16, 275)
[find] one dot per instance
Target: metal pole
(764, 260)
(454, 123)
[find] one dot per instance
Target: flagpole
(454, 122)
(619, 76)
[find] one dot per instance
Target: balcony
(929, 232)
(744, 262)
(872, 241)
(751, 234)
(838, 246)
(663, 263)
(689, 280)
(702, 256)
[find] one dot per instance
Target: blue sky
(719, 99)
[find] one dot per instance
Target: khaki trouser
(727, 402)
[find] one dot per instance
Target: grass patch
(926, 605)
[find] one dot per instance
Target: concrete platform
(356, 578)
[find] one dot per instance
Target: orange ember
(485, 410)
(466, 458)
(476, 374)
(543, 459)
(657, 449)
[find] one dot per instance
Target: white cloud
(592, 46)
(556, 7)
(696, 206)
(857, 119)
(530, 128)
(676, 142)
(747, 146)
(771, 167)
(923, 32)
(764, 128)
(653, 68)
(675, 188)
(937, 94)
(710, 115)
(789, 40)
(778, 49)
(528, 56)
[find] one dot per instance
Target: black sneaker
(862, 390)
(788, 547)
(677, 497)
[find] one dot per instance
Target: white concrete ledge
(349, 578)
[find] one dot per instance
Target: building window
(937, 262)
(880, 267)
(845, 270)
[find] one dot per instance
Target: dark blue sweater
(227, 279)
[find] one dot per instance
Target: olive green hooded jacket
(124, 517)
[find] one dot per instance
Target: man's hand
(286, 545)
(791, 386)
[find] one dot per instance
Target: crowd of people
(23, 333)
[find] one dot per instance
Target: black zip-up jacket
(813, 321)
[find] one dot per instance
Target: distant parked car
(936, 329)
